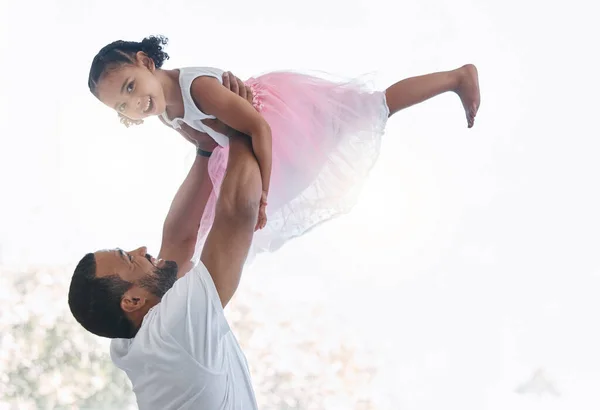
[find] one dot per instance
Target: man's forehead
(107, 253)
(108, 262)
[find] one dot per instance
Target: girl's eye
(122, 108)
(130, 87)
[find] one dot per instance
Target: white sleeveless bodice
(192, 115)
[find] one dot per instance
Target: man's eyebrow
(122, 254)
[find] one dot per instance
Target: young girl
(315, 139)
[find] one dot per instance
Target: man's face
(150, 278)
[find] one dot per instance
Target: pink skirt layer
(326, 138)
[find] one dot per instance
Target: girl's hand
(262, 213)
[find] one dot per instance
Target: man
(165, 316)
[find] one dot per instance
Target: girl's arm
(213, 99)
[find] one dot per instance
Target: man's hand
(237, 86)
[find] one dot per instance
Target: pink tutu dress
(326, 138)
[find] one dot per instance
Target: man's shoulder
(192, 299)
(196, 280)
(127, 350)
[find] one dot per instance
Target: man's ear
(132, 301)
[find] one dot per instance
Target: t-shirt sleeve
(192, 314)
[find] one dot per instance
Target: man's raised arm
(180, 229)
(229, 239)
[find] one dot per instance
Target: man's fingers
(242, 88)
(248, 94)
(226, 81)
(235, 87)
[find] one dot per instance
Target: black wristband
(203, 153)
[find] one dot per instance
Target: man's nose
(142, 250)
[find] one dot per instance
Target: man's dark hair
(121, 52)
(96, 302)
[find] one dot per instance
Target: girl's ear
(143, 60)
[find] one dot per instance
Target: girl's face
(133, 90)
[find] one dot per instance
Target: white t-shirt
(185, 356)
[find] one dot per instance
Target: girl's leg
(463, 81)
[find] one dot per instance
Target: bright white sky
(471, 260)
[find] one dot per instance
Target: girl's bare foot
(468, 91)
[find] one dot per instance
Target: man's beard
(163, 279)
